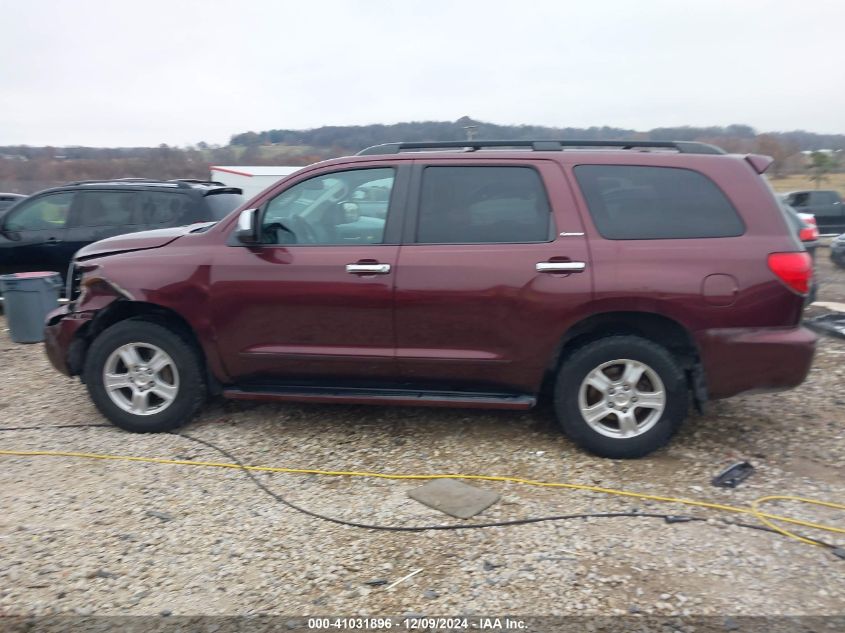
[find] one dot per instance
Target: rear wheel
(621, 397)
(143, 377)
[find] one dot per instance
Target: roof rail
(197, 181)
(130, 181)
(99, 180)
(181, 183)
(684, 147)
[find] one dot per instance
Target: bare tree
(821, 164)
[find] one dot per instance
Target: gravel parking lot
(114, 537)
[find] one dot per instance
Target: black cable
(669, 518)
(53, 426)
(419, 528)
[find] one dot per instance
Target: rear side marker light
(793, 269)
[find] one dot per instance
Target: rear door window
(481, 204)
(108, 208)
(166, 208)
(632, 202)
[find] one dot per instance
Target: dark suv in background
(825, 205)
(45, 230)
(625, 279)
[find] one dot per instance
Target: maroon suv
(626, 279)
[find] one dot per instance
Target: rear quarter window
(221, 204)
(633, 202)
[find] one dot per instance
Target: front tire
(621, 397)
(143, 377)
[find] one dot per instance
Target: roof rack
(684, 147)
(181, 183)
(197, 181)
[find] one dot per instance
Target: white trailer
(251, 179)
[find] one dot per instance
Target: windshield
(221, 204)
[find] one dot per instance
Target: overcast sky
(116, 73)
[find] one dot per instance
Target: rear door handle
(51, 241)
(560, 267)
(368, 269)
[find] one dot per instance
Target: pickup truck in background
(826, 205)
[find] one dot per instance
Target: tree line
(26, 169)
(357, 137)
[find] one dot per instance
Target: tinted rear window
(798, 199)
(630, 202)
(464, 205)
(221, 204)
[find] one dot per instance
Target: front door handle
(52, 241)
(560, 267)
(368, 269)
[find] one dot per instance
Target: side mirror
(9, 234)
(247, 230)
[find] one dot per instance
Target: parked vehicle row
(44, 231)
(804, 225)
(625, 284)
(825, 205)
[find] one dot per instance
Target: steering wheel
(339, 195)
(305, 233)
(269, 233)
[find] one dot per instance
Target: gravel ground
(95, 537)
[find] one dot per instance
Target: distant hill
(26, 169)
(351, 138)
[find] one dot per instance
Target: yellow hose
(753, 510)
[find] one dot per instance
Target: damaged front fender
(69, 329)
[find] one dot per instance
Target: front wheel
(621, 397)
(143, 377)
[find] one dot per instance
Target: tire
(648, 424)
(839, 262)
(170, 391)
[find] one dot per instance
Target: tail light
(793, 269)
(809, 233)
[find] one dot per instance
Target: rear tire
(143, 377)
(631, 389)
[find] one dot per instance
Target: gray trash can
(27, 298)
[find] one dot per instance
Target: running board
(394, 397)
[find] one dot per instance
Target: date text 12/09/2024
(416, 623)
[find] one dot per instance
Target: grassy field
(801, 181)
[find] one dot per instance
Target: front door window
(42, 214)
(347, 207)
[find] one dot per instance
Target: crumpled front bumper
(64, 348)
